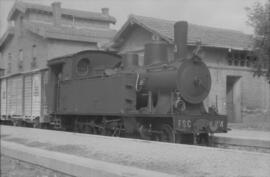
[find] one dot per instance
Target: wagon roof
(63, 57)
(208, 36)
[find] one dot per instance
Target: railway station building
(35, 34)
(227, 53)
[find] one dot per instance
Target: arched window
(83, 66)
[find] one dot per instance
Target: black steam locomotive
(100, 92)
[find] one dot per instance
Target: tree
(259, 19)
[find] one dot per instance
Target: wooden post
(150, 101)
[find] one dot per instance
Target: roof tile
(209, 36)
(69, 33)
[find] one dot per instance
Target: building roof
(50, 31)
(24, 7)
(7, 36)
(208, 36)
(70, 33)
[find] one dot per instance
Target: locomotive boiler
(101, 92)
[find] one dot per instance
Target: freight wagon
(23, 98)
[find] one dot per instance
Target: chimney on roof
(105, 11)
(180, 38)
(56, 9)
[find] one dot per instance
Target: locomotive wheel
(167, 134)
(104, 131)
(88, 129)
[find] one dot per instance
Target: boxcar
(23, 97)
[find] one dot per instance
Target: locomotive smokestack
(180, 38)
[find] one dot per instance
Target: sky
(229, 14)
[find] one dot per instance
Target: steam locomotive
(101, 92)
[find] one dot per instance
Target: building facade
(226, 52)
(36, 34)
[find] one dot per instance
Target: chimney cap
(105, 10)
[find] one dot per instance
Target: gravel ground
(176, 159)
(14, 168)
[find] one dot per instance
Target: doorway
(233, 98)
(56, 78)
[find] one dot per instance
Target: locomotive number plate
(184, 124)
(197, 124)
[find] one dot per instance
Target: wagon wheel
(36, 123)
(103, 131)
(88, 129)
(77, 128)
(144, 133)
(167, 133)
(95, 131)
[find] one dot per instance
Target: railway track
(243, 148)
(214, 143)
